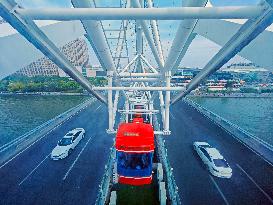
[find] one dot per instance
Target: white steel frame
(138, 77)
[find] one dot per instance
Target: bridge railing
(252, 141)
(172, 188)
(16, 145)
(104, 187)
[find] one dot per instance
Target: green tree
(16, 87)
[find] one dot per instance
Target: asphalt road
(252, 180)
(33, 178)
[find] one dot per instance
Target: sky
(160, 3)
(199, 53)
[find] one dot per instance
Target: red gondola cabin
(135, 148)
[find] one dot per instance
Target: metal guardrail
(226, 124)
(104, 187)
(172, 188)
(37, 130)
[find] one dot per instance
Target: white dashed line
(33, 170)
(22, 151)
(219, 190)
(71, 167)
(54, 128)
(251, 179)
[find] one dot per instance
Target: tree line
(26, 84)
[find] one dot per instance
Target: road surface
(33, 178)
(252, 180)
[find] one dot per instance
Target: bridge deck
(33, 178)
(252, 180)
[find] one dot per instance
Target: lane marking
(54, 128)
(14, 141)
(71, 167)
(98, 107)
(251, 179)
(234, 137)
(33, 170)
(219, 190)
(22, 151)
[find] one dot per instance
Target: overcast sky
(160, 3)
(200, 51)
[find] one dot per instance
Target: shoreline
(204, 95)
(45, 94)
(233, 95)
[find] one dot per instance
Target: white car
(215, 162)
(67, 143)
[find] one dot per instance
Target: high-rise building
(76, 52)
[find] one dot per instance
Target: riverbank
(233, 95)
(43, 94)
(205, 95)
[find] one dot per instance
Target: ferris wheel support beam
(248, 32)
(127, 67)
(183, 52)
(131, 75)
(139, 39)
(127, 107)
(182, 35)
(151, 105)
(97, 39)
(139, 88)
(110, 102)
(148, 36)
(162, 107)
(167, 103)
(148, 64)
(139, 79)
(156, 34)
(70, 14)
(37, 38)
(115, 106)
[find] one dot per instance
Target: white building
(76, 52)
(214, 88)
(243, 68)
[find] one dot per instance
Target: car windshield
(65, 142)
(69, 134)
(220, 163)
(134, 161)
(205, 146)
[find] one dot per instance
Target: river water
(254, 115)
(22, 113)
